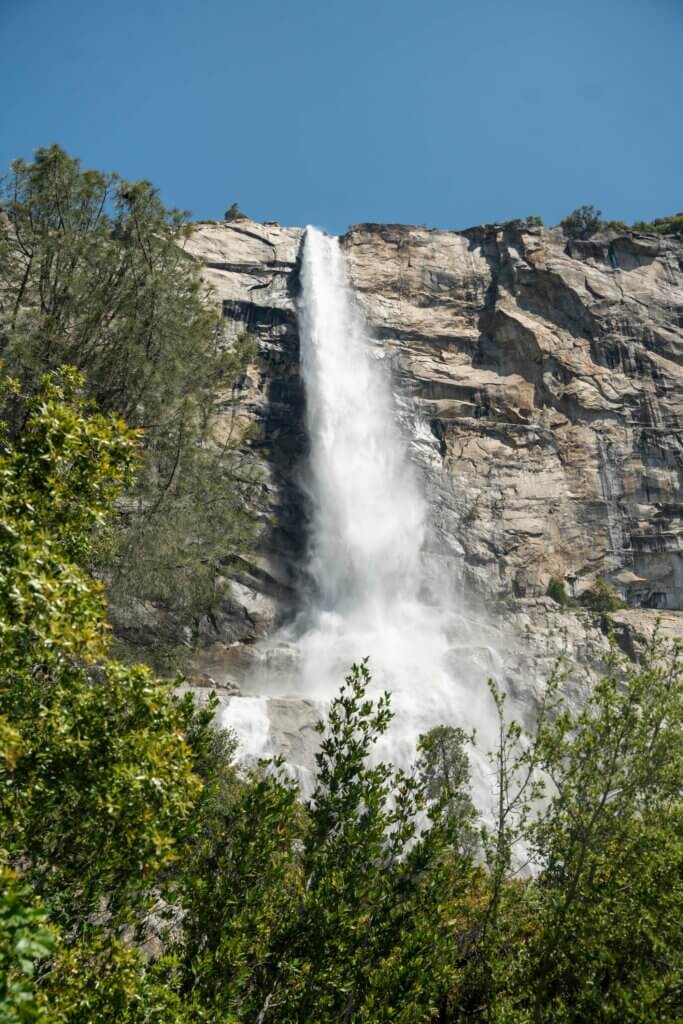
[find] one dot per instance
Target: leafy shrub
(443, 768)
(25, 940)
(234, 213)
(602, 597)
(534, 221)
(615, 225)
(661, 225)
(558, 591)
(96, 776)
(671, 225)
(582, 222)
(333, 911)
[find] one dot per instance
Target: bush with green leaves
(558, 592)
(96, 774)
(334, 910)
(234, 213)
(592, 801)
(102, 773)
(25, 940)
(602, 597)
(615, 225)
(443, 768)
(672, 225)
(610, 850)
(94, 274)
(582, 222)
(342, 909)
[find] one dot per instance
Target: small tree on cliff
(582, 222)
(234, 213)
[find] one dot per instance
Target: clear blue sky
(439, 112)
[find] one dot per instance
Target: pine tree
(93, 274)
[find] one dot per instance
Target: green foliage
(661, 225)
(558, 592)
(582, 222)
(96, 777)
(610, 847)
(585, 221)
(239, 893)
(58, 484)
(234, 213)
(534, 221)
(25, 940)
(93, 273)
(595, 934)
(103, 980)
(336, 913)
(602, 597)
(444, 771)
(374, 886)
(615, 225)
(670, 225)
(91, 736)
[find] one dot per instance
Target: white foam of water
(369, 515)
(366, 564)
(249, 718)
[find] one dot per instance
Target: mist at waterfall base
(370, 593)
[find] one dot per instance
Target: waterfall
(368, 525)
(368, 513)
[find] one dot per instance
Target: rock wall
(551, 376)
(253, 270)
(541, 384)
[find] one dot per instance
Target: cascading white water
(369, 516)
(369, 522)
(369, 519)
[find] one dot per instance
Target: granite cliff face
(541, 384)
(551, 375)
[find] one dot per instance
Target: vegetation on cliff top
(584, 222)
(125, 825)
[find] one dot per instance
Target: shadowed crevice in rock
(281, 443)
(254, 271)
